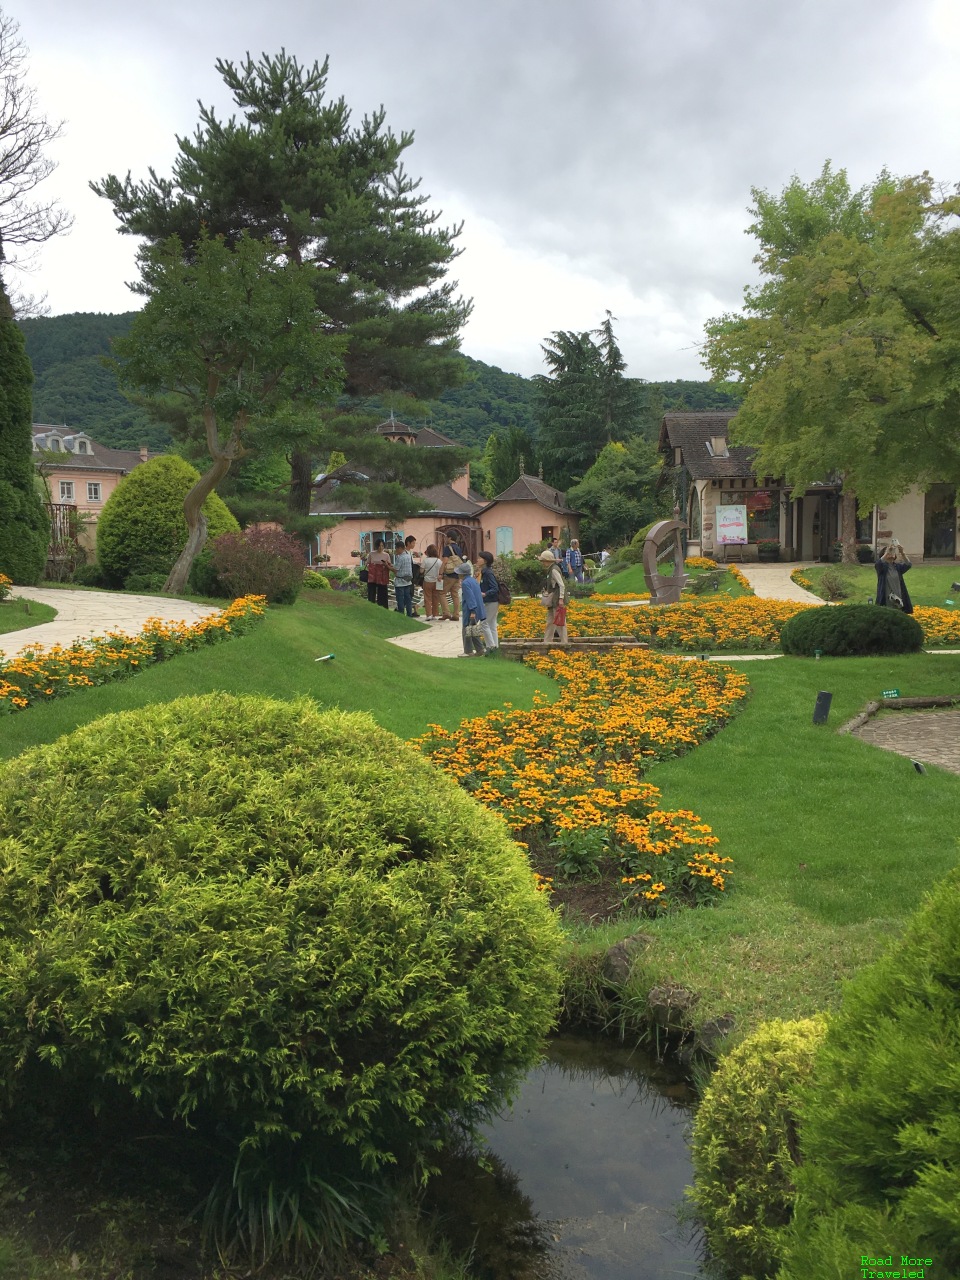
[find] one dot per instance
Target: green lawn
(834, 841)
(632, 579)
(16, 613)
(928, 584)
(404, 691)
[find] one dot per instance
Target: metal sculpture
(664, 539)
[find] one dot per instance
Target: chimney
(143, 453)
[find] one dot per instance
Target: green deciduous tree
(24, 526)
(618, 494)
(584, 403)
(849, 351)
(227, 343)
(294, 171)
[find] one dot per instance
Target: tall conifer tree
(24, 526)
(293, 170)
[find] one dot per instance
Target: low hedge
(745, 1149)
(851, 630)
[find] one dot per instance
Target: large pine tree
(294, 170)
(24, 526)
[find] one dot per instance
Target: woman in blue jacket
(472, 610)
(490, 591)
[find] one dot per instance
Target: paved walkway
(932, 737)
(82, 614)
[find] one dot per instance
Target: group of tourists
(456, 590)
(448, 578)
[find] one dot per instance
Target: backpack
(503, 593)
(417, 574)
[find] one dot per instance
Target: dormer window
(82, 446)
(55, 444)
(717, 447)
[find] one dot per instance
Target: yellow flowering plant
(576, 766)
(40, 674)
(5, 586)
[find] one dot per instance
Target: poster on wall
(731, 525)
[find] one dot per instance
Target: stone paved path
(82, 614)
(933, 737)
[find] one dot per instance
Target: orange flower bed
(40, 674)
(568, 774)
(746, 623)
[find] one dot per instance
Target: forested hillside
(73, 386)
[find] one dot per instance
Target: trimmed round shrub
(879, 1127)
(261, 561)
(313, 581)
(272, 920)
(142, 528)
(851, 631)
(745, 1144)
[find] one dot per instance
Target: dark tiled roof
(443, 499)
(529, 489)
(425, 436)
(689, 432)
(101, 459)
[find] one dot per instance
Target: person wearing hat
(472, 611)
(553, 595)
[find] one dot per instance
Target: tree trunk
(176, 583)
(848, 527)
(301, 483)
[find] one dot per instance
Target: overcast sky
(600, 153)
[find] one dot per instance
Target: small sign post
(891, 693)
(822, 708)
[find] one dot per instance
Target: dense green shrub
(142, 528)
(865, 553)
(260, 562)
(89, 575)
(24, 525)
(313, 581)
(851, 630)
(745, 1144)
(146, 583)
(529, 576)
(270, 919)
(204, 579)
(336, 576)
(503, 567)
(880, 1117)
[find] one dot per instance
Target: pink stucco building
(79, 472)
(526, 512)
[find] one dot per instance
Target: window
(392, 540)
(93, 491)
(763, 512)
(547, 533)
(55, 444)
(82, 446)
(66, 490)
(504, 540)
(695, 518)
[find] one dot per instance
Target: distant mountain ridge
(73, 386)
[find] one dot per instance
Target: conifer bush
(269, 920)
(142, 528)
(880, 1117)
(851, 630)
(745, 1145)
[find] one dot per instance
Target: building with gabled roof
(526, 512)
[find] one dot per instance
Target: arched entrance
(467, 538)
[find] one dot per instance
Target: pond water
(583, 1176)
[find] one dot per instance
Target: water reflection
(584, 1174)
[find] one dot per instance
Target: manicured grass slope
(928, 584)
(17, 613)
(403, 691)
(632, 579)
(834, 841)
